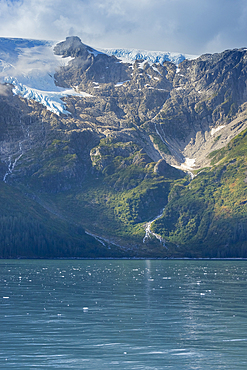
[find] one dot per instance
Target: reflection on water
(124, 314)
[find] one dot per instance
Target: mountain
(118, 153)
(131, 55)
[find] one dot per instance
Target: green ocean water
(123, 314)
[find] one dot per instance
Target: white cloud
(190, 26)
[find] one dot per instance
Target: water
(152, 315)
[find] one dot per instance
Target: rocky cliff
(130, 142)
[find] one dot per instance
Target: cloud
(31, 63)
(189, 26)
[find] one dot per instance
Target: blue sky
(187, 26)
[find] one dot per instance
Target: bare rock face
(161, 167)
(206, 102)
(195, 108)
(87, 65)
(72, 47)
(111, 160)
(174, 114)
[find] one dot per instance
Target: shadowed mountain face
(107, 146)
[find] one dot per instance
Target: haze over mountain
(187, 26)
(145, 151)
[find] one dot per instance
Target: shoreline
(124, 258)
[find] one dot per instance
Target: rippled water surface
(124, 314)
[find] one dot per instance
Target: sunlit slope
(208, 216)
(123, 147)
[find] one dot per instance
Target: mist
(186, 26)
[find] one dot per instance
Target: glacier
(50, 99)
(29, 66)
(131, 55)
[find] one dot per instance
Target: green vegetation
(204, 217)
(94, 169)
(217, 138)
(208, 217)
(162, 146)
(28, 230)
(116, 201)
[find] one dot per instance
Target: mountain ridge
(134, 139)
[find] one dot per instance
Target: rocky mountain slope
(147, 158)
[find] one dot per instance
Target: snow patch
(156, 70)
(94, 52)
(30, 66)
(142, 64)
(188, 163)
(187, 166)
(121, 83)
(214, 130)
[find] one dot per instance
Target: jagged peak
(72, 47)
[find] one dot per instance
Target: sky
(185, 26)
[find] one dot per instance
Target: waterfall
(11, 165)
(149, 232)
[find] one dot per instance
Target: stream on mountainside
(149, 224)
(11, 165)
(149, 232)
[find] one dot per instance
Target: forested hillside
(102, 157)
